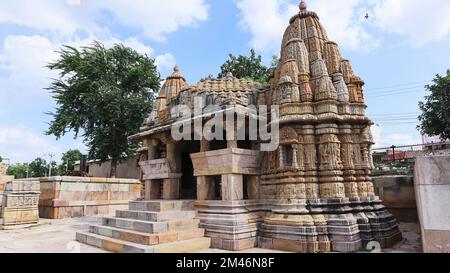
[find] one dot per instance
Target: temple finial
(176, 68)
(303, 6)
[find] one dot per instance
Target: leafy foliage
(19, 171)
(435, 118)
(103, 95)
(68, 160)
(248, 67)
(39, 167)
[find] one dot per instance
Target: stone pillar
(171, 189)
(205, 188)
(281, 157)
(351, 187)
(253, 187)
(310, 162)
(360, 169)
(330, 167)
(204, 146)
(294, 156)
(232, 187)
(232, 144)
(152, 189)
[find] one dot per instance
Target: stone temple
(314, 193)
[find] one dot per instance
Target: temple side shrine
(312, 194)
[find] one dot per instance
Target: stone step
(136, 225)
(161, 206)
(120, 246)
(151, 227)
(156, 216)
(146, 238)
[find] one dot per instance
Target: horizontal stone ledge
(73, 179)
(231, 170)
(56, 204)
(159, 176)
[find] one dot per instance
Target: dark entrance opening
(188, 180)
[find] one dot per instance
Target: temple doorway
(188, 180)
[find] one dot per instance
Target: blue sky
(397, 51)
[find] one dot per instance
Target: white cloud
(266, 20)
(136, 45)
(23, 61)
(73, 2)
(153, 18)
(165, 61)
(398, 139)
(419, 21)
(344, 22)
(22, 145)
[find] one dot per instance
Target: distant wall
(67, 197)
(432, 180)
(128, 169)
(398, 195)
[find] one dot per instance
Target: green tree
(38, 168)
(435, 117)
(103, 95)
(246, 67)
(19, 171)
(68, 160)
(1, 159)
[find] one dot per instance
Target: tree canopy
(69, 159)
(103, 94)
(39, 168)
(19, 171)
(248, 67)
(435, 117)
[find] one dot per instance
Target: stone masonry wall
(19, 201)
(67, 197)
(397, 193)
(432, 180)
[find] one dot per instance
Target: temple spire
(303, 6)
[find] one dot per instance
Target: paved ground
(57, 236)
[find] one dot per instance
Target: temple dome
(173, 85)
(309, 58)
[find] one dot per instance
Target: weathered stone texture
(398, 195)
(432, 182)
(19, 203)
(149, 227)
(66, 197)
(313, 193)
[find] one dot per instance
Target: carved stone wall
(19, 204)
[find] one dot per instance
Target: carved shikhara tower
(314, 193)
(319, 179)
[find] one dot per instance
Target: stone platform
(231, 225)
(67, 197)
(149, 227)
(432, 181)
(19, 204)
